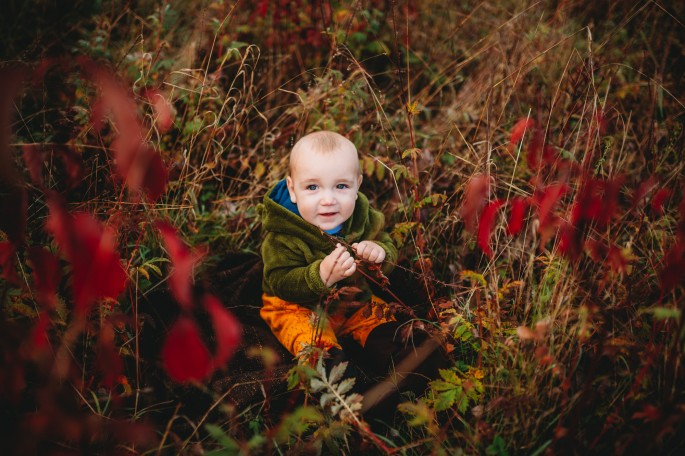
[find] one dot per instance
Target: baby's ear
(289, 182)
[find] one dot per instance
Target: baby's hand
(369, 251)
(336, 266)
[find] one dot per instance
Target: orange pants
(295, 326)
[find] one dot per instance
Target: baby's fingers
(350, 270)
(373, 256)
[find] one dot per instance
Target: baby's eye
(342, 186)
(311, 187)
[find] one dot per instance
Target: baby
(302, 216)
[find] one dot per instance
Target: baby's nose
(327, 199)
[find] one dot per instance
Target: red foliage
(46, 276)
(571, 241)
(33, 156)
(162, 108)
(184, 355)
(659, 199)
(485, 225)
(597, 201)
(643, 189)
(475, 197)
(183, 261)
(108, 361)
(540, 153)
(139, 165)
(546, 200)
(519, 130)
(517, 215)
(39, 333)
(673, 273)
(8, 262)
(227, 330)
(91, 249)
(609, 255)
(73, 165)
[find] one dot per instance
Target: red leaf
(184, 355)
(673, 272)
(475, 197)
(33, 156)
(73, 165)
(519, 129)
(609, 255)
(485, 225)
(227, 330)
(8, 262)
(97, 271)
(183, 261)
(108, 361)
(535, 151)
(41, 69)
(546, 200)
(596, 201)
(659, 199)
(162, 108)
(617, 260)
(643, 189)
(571, 241)
(97, 115)
(648, 413)
(155, 178)
(39, 333)
(46, 276)
(517, 215)
(139, 165)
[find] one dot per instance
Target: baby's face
(324, 185)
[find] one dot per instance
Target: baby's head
(324, 178)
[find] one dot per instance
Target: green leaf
(497, 447)
(222, 438)
(663, 313)
(413, 153)
(440, 385)
(450, 376)
(445, 400)
(298, 422)
(380, 171)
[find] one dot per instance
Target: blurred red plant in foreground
(91, 249)
(185, 356)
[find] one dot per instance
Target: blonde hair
(322, 142)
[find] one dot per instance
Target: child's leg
(293, 325)
(364, 320)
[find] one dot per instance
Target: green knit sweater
(293, 249)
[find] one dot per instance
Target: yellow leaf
(473, 276)
(259, 170)
(412, 108)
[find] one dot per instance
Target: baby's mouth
(328, 214)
